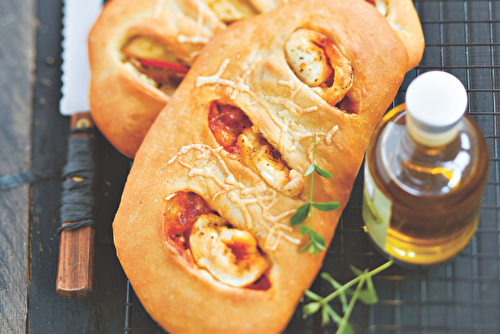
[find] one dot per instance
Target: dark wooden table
(17, 47)
(33, 135)
(462, 296)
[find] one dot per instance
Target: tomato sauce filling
(181, 212)
(155, 60)
(179, 216)
(227, 123)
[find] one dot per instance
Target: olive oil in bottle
(425, 170)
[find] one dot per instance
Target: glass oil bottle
(425, 170)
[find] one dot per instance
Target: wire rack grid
(461, 296)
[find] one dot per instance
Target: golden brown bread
(245, 67)
(124, 102)
(400, 14)
(403, 19)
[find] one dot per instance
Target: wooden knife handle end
(76, 263)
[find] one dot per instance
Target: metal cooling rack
(461, 296)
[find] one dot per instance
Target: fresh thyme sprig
(367, 296)
(316, 241)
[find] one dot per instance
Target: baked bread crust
(245, 66)
(123, 104)
(403, 19)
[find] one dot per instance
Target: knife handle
(76, 246)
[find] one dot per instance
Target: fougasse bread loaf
(203, 229)
(140, 50)
(127, 93)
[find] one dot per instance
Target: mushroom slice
(320, 64)
(234, 131)
(156, 61)
(229, 254)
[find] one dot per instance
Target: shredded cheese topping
(238, 86)
(192, 39)
(282, 120)
(216, 78)
(330, 134)
(196, 38)
(169, 197)
(158, 7)
(239, 194)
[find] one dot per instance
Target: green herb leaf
(344, 323)
(325, 317)
(327, 277)
(313, 296)
(369, 284)
(336, 285)
(356, 271)
(306, 247)
(328, 206)
(300, 215)
(334, 315)
(371, 298)
(347, 329)
(313, 249)
(317, 239)
(368, 297)
(311, 308)
(309, 170)
(322, 172)
(319, 246)
(305, 229)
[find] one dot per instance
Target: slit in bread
(126, 94)
(156, 61)
(234, 131)
(230, 11)
(231, 255)
(319, 63)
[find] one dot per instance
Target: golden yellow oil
(421, 204)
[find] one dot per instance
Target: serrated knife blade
(78, 17)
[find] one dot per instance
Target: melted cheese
(258, 156)
(229, 254)
(260, 194)
(287, 126)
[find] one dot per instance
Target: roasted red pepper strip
(163, 64)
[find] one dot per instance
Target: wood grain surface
(16, 59)
(460, 296)
(104, 310)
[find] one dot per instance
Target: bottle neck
(430, 136)
(416, 167)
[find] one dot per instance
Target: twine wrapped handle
(76, 245)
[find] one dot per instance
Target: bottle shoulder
(418, 170)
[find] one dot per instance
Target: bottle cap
(435, 101)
